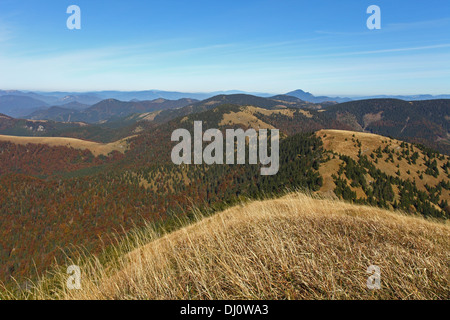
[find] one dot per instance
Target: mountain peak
(299, 93)
(309, 97)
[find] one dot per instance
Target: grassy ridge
(295, 247)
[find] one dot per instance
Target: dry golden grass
(267, 112)
(149, 116)
(344, 142)
(95, 147)
(296, 247)
(340, 141)
(326, 171)
(247, 117)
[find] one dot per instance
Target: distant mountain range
(407, 98)
(424, 121)
(275, 102)
(169, 95)
(22, 103)
(54, 98)
(105, 110)
(306, 96)
(110, 109)
(19, 106)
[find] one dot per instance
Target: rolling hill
(23, 127)
(17, 106)
(104, 133)
(94, 147)
(60, 114)
(295, 247)
(276, 102)
(381, 171)
(107, 110)
(426, 122)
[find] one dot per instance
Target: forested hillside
(376, 170)
(426, 122)
(55, 197)
(94, 205)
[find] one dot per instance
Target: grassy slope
(95, 147)
(296, 247)
(345, 142)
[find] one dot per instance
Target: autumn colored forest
(56, 198)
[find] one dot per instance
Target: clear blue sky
(322, 46)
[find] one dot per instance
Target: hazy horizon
(230, 91)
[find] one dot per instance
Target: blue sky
(322, 46)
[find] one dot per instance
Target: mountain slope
(381, 171)
(275, 102)
(107, 110)
(426, 122)
(296, 247)
(22, 127)
(53, 113)
(94, 147)
(16, 106)
(289, 120)
(306, 96)
(244, 100)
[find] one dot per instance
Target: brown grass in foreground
(296, 247)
